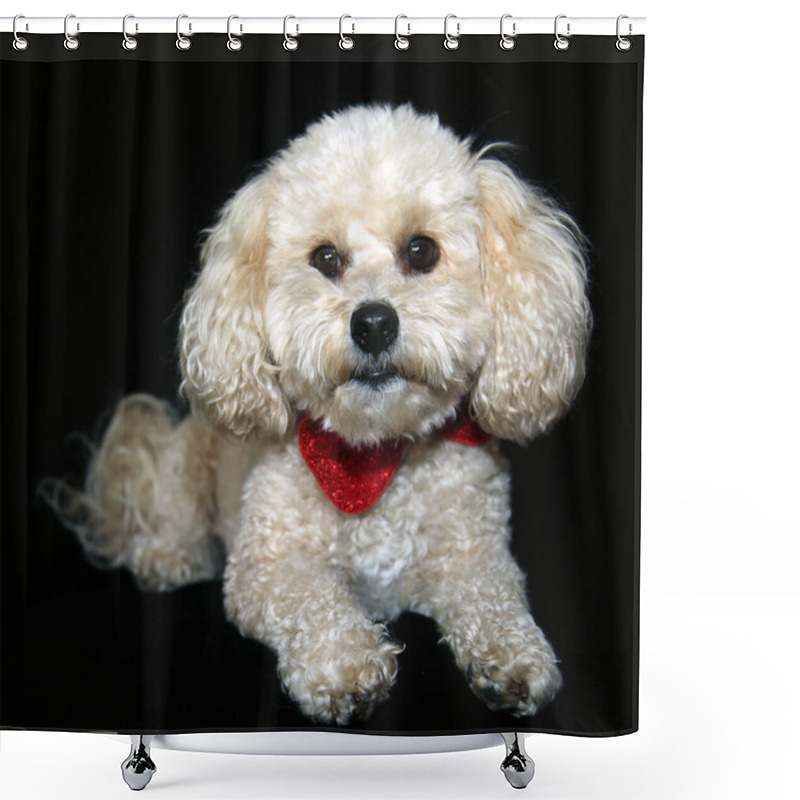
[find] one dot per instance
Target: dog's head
(377, 274)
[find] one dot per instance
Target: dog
(374, 310)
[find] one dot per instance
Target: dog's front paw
(343, 677)
(518, 682)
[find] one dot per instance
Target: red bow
(354, 478)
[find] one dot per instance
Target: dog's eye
(327, 260)
(422, 254)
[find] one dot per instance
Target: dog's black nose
(374, 327)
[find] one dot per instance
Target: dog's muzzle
(374, 328)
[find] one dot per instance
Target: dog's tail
(148, 500)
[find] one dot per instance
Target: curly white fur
(501, 319)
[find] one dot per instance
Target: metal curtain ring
(401, 42)
(452, 42)
(561, 42)
(623, 44)
(289, 42)
(346, 42)
(71, 42)
(234, 43)
(20, 42)
(507, 42)
(129, 42)
(182, 42)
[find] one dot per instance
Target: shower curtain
(114, 164)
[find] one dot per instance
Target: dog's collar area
(355, 478)
(464, 430)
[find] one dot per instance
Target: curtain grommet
(71, 42)
(20, 43)
(129, 43)
(182, 42)
(623, 44)
(452, 42)
(346, 42)
(290, 43)
(234, 43)
(508, 42)
(401, 42)
(561, 42)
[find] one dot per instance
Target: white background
(720, 597)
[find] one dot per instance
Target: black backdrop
(112, 164)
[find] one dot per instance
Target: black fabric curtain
(113, 164)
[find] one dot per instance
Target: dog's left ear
(535, 284)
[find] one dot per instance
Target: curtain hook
(20, 42)
(561, 42)
(71, 42)
(129, 42)
(234, 43)
(452, 42)
(290, 42)
(401, 42)
(346, 42)
(623, 44)
(182, 42)
(507, 42)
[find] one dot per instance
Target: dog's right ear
(225, 355)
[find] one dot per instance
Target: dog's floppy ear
(535, 284)
(225, 358)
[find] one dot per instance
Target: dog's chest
(380, 548)
(442, 496)
(384, 550)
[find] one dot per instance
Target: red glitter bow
(354, 478)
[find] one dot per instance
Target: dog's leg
(332, 659)
(149, 498)
(283, 589)
(476, 593)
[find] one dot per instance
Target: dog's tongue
(353, 478)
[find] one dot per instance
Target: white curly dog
(372, 309)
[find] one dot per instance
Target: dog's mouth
(377, 377)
